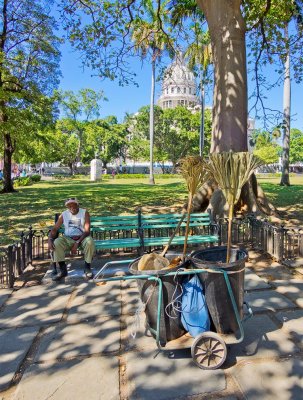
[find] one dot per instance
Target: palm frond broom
(231, 170)
(193, 170)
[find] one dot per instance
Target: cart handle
(106, 266)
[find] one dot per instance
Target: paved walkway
(73, 341)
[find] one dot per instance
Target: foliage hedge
(27, 180)
(274, 175)
(23, 181)
(35, 178)
(140, 176)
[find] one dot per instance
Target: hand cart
(208, 349)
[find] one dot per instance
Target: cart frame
(210, 343)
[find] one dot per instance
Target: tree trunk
(151, 126)
(286, 123)
(202, 129)
(227, 31)
(229, 123)
(7, 165)
(9, 149)
(71, 167)
(252, 200)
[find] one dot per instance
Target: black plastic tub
(170, 328)
(217, 296)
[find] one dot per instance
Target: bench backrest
(114, 222)
(159, 221)
(143, 222)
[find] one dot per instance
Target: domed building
(179, 86)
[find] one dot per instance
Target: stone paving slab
(131, 301)
(35, 305)
(109, 292)
(252, 281)
(137, 336)
(4, 295)
(164, 378)
(66, 341)
(268, 300)
(262, 339)
(292, 288)
(14, 344)
(131, 283)
(92, 301)
(93, 378)
(74, 277)
(293, 323)
(271, 380)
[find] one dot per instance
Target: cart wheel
(208, 350)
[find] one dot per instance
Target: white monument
(95, 169)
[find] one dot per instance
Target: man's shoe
(61, 274)
(88, 274)
(54, 270)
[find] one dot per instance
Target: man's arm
(54, 233)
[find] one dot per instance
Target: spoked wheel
(208, 351)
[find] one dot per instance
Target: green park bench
(157, 229)
(146, 231)
(116, 232)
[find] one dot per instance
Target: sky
(129, 99)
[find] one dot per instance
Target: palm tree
(198, 52)
(149, 38)
(286, 117)
(199, 58)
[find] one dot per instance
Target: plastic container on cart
(170, 322)
(217, 297)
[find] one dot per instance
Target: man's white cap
(72, 200)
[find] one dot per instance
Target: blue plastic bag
(194, 314)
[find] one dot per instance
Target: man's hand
(74, 249)
(51, 246)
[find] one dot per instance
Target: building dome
(178, 86)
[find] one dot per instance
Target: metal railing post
(10, 259)
(30, 244)
(23, 254)
(280, 243)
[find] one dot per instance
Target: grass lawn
(36, 205)
(283, 196)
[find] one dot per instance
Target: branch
(260, 21)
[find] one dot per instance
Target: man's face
(73, 208)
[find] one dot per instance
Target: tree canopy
(29, 71)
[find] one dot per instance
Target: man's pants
(65, 243)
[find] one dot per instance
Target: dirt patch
(291, 217)
(32, 275)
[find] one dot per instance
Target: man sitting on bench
(76, 223)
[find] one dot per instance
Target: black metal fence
(17, 256)
(280, 242)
